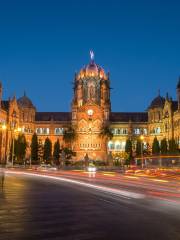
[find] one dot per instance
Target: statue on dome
(92, 55)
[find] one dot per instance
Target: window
(39, 130)
(110, 145)
(117, 146)
(157, 130)
(125, 131)
(120, 131)
(123, 144)
(44, 131)
(58, 131)
(137, 131)
(145, 131)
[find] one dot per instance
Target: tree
(34, 148)
(173, 148)
(69, 135)
(164, 146)
(10, 152)
(148, 149)
(127, 160)
(128, 147)
(138, 147)
(68, 153)
(106, 132)
(47, 150)
(20, 146)
(40, 151)
(155, 146)
(56, 152)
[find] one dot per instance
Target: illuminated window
(157, 130)
(120, 131)
(137, 131)
(145, 131)
(58, 131)
(123, 144)
(39, 130)
(111, 145)
(117, 146)
(44, 131)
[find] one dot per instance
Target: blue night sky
(42, 44)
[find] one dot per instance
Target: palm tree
(106, 133)
(69, 135)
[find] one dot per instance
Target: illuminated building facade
(90, 113)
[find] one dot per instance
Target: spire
(92, 56)
(14, 97)
(159, 93)
(178, 85)
(24, 93)
(167, 96)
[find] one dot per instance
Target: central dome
(92, 70)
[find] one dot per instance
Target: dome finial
(92, 55)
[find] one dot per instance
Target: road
(76, 205)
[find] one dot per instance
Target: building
(90, 114)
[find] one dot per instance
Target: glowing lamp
(4, 127)
(142, 137)
(90, 112)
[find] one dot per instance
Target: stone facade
(91, 112)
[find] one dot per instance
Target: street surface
(79, 205)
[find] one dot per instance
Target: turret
(27, 109)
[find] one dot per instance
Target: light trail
(131, 177)
(113, 191)
(159, 180)
(109, 174)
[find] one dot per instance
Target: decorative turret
(178, 93)
(158, 102)
(25, 102)
(92, 86)
(27, 109)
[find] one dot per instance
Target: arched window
(110, 145)
(117, 145)
(58, 131)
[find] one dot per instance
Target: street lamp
(142, 161)
(2, 128)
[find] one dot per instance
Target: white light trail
(112, 191)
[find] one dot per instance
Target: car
(46, 167)
(91, 168)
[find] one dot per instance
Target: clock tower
(91, 108)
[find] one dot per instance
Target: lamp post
(142, 161)
(2, 128)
